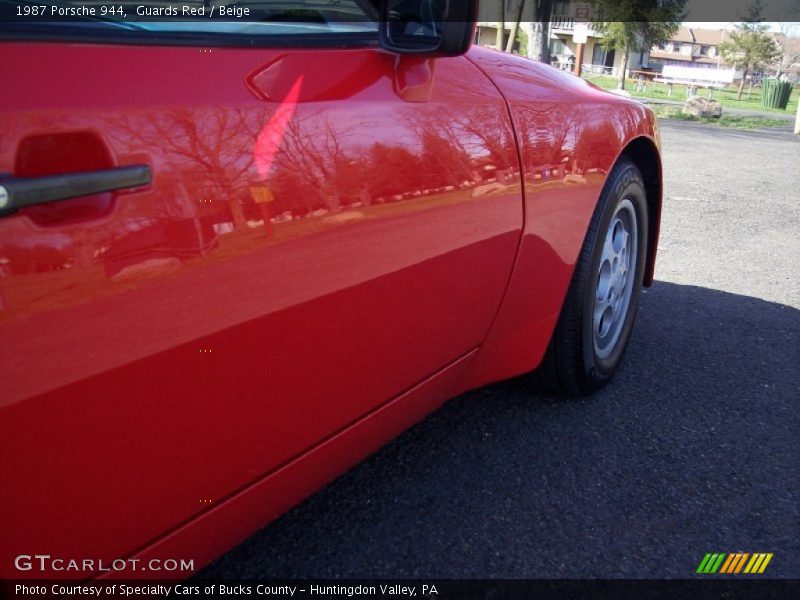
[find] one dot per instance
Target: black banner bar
(365, 11)
(717, 587)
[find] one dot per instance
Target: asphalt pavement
(694, 448)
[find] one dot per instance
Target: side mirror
(428, 27)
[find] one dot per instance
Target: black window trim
(102, 33)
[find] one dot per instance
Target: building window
(704, 50)
(602, 56)
(557, 47)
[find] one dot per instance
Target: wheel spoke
(608, 247)
(600, 308)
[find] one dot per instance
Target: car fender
(570, 134)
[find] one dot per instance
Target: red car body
(332, 245)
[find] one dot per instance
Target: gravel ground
(694, 448)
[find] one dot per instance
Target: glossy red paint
(319, 262)
(570, 134)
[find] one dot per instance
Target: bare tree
(211, 140)
(788, 61)
(501, 25)
(515, 27)
(539, 41)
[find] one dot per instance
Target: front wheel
(600, 307)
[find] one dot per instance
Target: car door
(312, 232)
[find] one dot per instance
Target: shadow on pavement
(694, 448)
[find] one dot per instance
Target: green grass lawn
(739, 122)
(727, 96)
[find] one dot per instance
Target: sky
(794, 28)
(734, 10)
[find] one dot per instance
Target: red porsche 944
(237, 256)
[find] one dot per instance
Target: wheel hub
(615, 279)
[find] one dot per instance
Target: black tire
(575, 363)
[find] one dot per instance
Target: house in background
(690, 47)
(563, 48)
(486, 35)
(486, 32)
(696, 48)
(597, 59)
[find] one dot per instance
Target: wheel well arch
(644, 153)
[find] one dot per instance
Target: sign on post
(582, 12)
(581, 33)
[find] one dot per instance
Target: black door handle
(16, 192)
